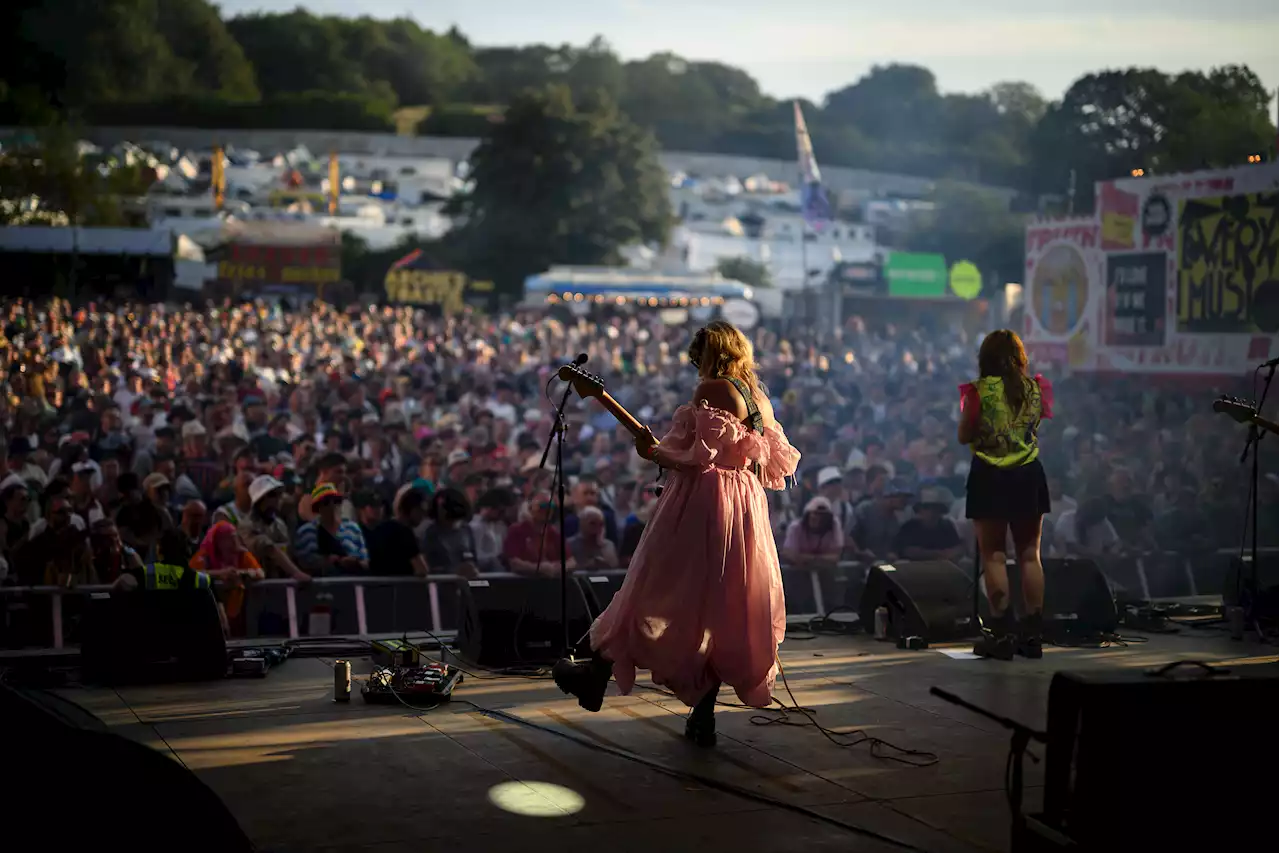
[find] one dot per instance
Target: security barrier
(40, 618)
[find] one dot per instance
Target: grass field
(407, 119)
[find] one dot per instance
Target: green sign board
(966, 281)
(916, 275)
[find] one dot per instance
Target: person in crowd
(15, 498)
(394, 550)
(1007, 492)
(199, 465)
(57, 555)
(449, 543)
(878, 519)
(222, 555)
(265, 532)
(532, 546)
(929, 534)
(83, 502)
(22, 462)
(586, 493)
(831, 486)
(329, 545)
(590, 548)
(814, 539)
(193, 521)
(158, 491)
(703, 563)
(331, 468)
(112, 559)
(494, 515)
(635, 524)
(237, 511)
(370, 510)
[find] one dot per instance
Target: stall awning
(633, 284)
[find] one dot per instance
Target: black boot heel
(585, 679)
(1029, 643)
(996, 642)
(700, 730)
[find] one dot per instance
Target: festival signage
(916, 275)
(1227, 252)
(1062, 277)
(256, 264)
(413, 280)
(1135, 310)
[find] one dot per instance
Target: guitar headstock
(586, 384)
(1240, 411)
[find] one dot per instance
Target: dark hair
(128, 482)
(410, 501)
(329, 461)
(450, 504)
(1003, 356)
(496, 499)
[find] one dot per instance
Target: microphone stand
(558, 429)
(1251, 443)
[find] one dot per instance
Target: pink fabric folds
(1046, 396)
(970, 403)
(702, 599)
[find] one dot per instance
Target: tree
(968, 223)
(745, 270)
(207, 58)
(559, 183)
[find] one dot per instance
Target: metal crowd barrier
(370, 605)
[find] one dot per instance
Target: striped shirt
(307, 540)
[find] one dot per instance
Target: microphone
(1272, 363)
(582, 359)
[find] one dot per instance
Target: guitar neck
(1269, 426)
(620, 414)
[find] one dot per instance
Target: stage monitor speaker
(53, 740)
(932, 599)
(1162, 759)
(1237, 589)
(599, 590)
(1077, 599)
(508, 622)
(152, 635)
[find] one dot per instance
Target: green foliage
(969, 223)
(745, 270)
(178, 62)
(559, 182)
(46, 180)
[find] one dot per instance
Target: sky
(808, 48)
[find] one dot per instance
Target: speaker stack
(506, 622)
(933, 600)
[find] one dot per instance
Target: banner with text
(1227, 250)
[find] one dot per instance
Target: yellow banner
(1227, 249)
(1117, 230)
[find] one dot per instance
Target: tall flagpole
(814, 208)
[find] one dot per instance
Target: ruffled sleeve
(970, 402)
(1046, 396)
(778, 467)
(700, 437)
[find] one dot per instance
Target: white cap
(262, 486)
(457, 456)
(193, 428)
(830, 474)
(818, 504)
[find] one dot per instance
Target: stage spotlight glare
(536, 799)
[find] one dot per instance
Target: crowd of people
(252, 440)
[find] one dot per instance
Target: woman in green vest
(1006, 492)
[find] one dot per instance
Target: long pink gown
(702, 599)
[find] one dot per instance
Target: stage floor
(302, 773)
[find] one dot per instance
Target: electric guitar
(590, 385)
(1243, 413)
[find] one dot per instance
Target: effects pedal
(394, 653)
(431, 682)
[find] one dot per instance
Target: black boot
(586, 679)
(700, 728)
(997, 640)
(1029, 643)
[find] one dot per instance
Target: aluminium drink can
(342, 681)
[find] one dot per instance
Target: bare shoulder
(766, 409)
(720, 394)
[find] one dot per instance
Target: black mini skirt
(1006, 493)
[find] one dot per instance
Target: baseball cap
(193, 428)
(457, 457)
(829, 474)
(82, 468)
(155, 481)
(818, 504)
(262, 486)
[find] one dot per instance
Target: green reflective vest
(165, 576)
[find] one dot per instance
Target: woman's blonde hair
(720, 350)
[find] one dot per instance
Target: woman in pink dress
(702, 601)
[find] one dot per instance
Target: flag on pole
(813, 198)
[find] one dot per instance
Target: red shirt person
(532, 545)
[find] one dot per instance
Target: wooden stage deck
(302, 773)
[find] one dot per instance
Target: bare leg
(1026, 538)
(997, 638)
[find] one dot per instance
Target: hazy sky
(809, 47)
